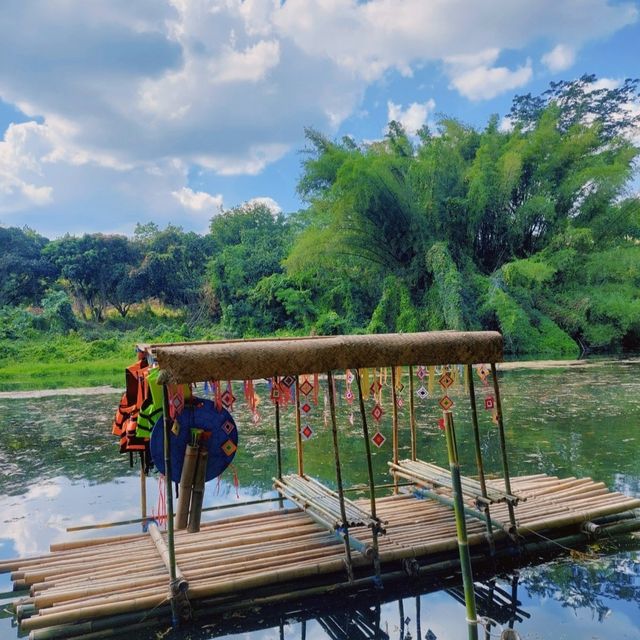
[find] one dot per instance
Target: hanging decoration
(377, 412)
(252, 399)
(446, 381)
(348, 394)
(399, 387)
(306, 389)
(489, 400)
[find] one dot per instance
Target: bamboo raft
(439, 522)
(92, 579)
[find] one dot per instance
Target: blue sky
(115, 112)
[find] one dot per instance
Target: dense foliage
(530, 229)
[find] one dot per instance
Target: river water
(61, 468)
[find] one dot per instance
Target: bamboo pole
(463, 548)
(143, 488)
(186, 486)
(503, 445)
(278, 441)
(336, 454)
(372, 491)
(181, 583)
(412, 417)
(478, 515)
(166, 420)
(394, 423)
(197, 494)
(298, 428)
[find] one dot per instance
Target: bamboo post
(372, 486)
(412, 417)
(186, 485)
(167, 423)
(298, 427)
(278, 441)
(336, 454)
(394, 426)
(461, 528)
(478, 450)
(143, 489)
(156, 536)
(503, 445)
(197, 497)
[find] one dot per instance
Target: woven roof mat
(254, 359)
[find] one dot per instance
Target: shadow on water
(60, 467)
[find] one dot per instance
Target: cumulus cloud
(476, 77)
(198, 201)
(270, 203)
(560, 58)
(21, 181)
(413, 117)
(229, 85)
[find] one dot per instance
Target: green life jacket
(151, 409)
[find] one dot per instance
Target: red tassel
(218, 395)
(316, 387)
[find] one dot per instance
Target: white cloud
(198, 201)
(123, 88)
(413, 117)
(483, 81)
(270, 203)
(560, 58)
(21, 181)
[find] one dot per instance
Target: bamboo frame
(299, 451)
(244, 360)
(336, 454)
(461, 529)
(412, 416)
(394, 423)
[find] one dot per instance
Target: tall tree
(24, 272)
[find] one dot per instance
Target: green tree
(93, 268)
(173, 265)
(24, 271)
(249, 244)
(464, 227)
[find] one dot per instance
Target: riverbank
(114, 378)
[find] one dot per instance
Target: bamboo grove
(529, 225)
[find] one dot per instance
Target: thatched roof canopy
(253, 359)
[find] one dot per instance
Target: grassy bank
(91, 355)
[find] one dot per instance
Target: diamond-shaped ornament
(377, 412)
(256, 418)
(306, 388)
(421, 372)
(375, 387)
(489, 403)
(446, 403)
(422, 392)
(228, 427)
(228, 399)
(400, 402)
(306, 432)
(446, 380)
(483, 372)
(349, 395)
(229, 448)
(349, 377)
(288, 381)
(378, 439)
(306, 407)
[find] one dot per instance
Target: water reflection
(60, 467)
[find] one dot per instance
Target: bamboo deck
(232, 557)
